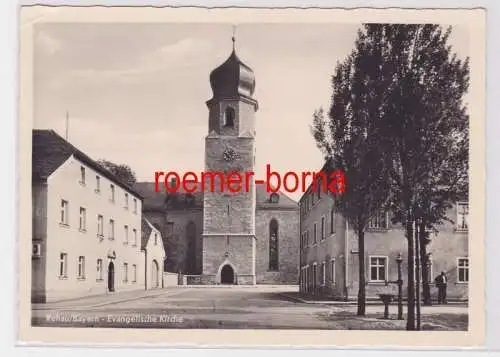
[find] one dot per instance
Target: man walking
(441, 281)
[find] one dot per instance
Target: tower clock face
(230, 155)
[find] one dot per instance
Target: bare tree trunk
(410, 322)
(362, 284)
(417, 273)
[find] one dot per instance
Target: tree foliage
(398, 120)
(349, 140)
(122, 171)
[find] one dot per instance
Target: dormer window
(229, 117)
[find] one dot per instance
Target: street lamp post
(399, 260)
(399, 283)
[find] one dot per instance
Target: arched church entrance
(227, 275)
(111, 277)
(155, 283)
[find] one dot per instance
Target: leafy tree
(397, 117)
(349, 141)
(122, 171)
(426, 128)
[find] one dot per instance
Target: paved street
(229, 307)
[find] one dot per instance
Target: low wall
(170, 279)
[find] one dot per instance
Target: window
(332, 271)
(83, 219)
(315, 238)
(112, 193)
(229, 117)
(125, 272)
(64, 212)
(379, 221)
(332, 221)
(273, 245)
(463, 270)
(462, 216)
(111, 229)
(134, 236)
(312, 198)
(63, 265)
(82, 175)
(126, 200)
(323, 228)
(314, 274)
(378, 269)
(37, 250)
(323, 273)
(97, 184)
(100, 226)
(81, 267)
(156, 238)
(135, 205)
(318, 183)
(134, 273)
(99, 269)
(125, 238)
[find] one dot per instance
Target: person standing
(441, 282)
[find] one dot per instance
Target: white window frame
(314, 274)
(323, 273)
(134, 232)
(97, 184)
(81, 268)
(64, 218)
(333, 221)
(332, 270)
(386, 268)
(82, 175)
(99, 270)
(83, 219)
(126, 200)
(134, 273)
(111, 229)
(125, 229)
(156, 238)
(63, 265)
(135, 205)
(465, 267)
(100, 225)
(323, 228)
(112, 193)
(378, 215)
(459, 228)
(125, 273)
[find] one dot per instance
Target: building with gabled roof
(86, 225)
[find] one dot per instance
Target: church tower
(229, 240)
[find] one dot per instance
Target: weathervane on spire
(234, 35)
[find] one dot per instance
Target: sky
(135, 93)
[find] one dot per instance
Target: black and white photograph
(224, 172)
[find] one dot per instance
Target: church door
(154, 274)
(111, 277)
(227, 275)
